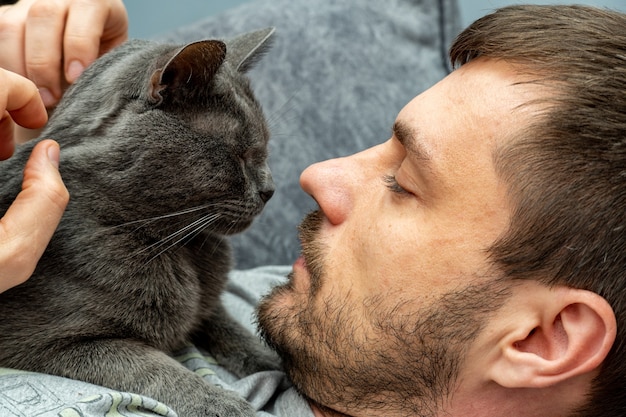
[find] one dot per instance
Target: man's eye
(392, 184)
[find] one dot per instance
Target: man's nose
(329, 183)
(340, 185)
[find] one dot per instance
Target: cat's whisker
(151, 220)
(188, 231)
(190, 236)
(279, 113)
(235, 206)
(177, 233)
(198, 225)
(246, 212)
(203, 223)
(161, 217)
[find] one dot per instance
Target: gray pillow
(332, 84)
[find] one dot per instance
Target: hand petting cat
(51, 42)
(19, 103)
(30, 221)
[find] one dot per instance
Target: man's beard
(398, 358)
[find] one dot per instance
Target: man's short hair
(566, 171)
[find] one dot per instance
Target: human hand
(30, 221)
(52, 41)
(19, 103)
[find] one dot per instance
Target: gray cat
(163, 151)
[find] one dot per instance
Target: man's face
(394, 282)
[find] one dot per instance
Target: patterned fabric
(25, 394)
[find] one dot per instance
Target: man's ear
(553, 334)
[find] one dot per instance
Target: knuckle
(10, 28)
(56, 193)
(79, 39)
(40, 63)
(43, 73)
(18, 261)
(60, 196)
(45, 9)
(24, 261)
(43, 69)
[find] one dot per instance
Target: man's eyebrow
(408, 137)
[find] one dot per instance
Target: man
(474, 264)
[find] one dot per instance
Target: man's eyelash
(392, 184)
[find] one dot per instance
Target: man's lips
(300, 277)
(300, 263)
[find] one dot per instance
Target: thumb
(30, 222)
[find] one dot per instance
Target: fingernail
(54, 155)
(48, 99)
(74, 70)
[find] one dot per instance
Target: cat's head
(152, 130)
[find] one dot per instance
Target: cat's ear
(193, 65)
(245, 50)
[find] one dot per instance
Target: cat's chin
(232, 228)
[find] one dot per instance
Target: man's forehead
(458, 125)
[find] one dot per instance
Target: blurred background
(152, 17)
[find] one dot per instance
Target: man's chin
(279, 298)
(285, 300)
(276, 317)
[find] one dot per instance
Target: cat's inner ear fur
(192, 66)
(245, 50)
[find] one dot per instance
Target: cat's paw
(262, 360)
(219, 403)
(228, 405)
(249, 359)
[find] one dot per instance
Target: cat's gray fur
(163, 151)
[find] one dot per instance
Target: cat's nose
(266, 194)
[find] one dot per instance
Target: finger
(30, 222)
(7, 143)
(92, 28)
(116, 28)
(43, 47)
(19, 102)
(21, 99)
(12, 31)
